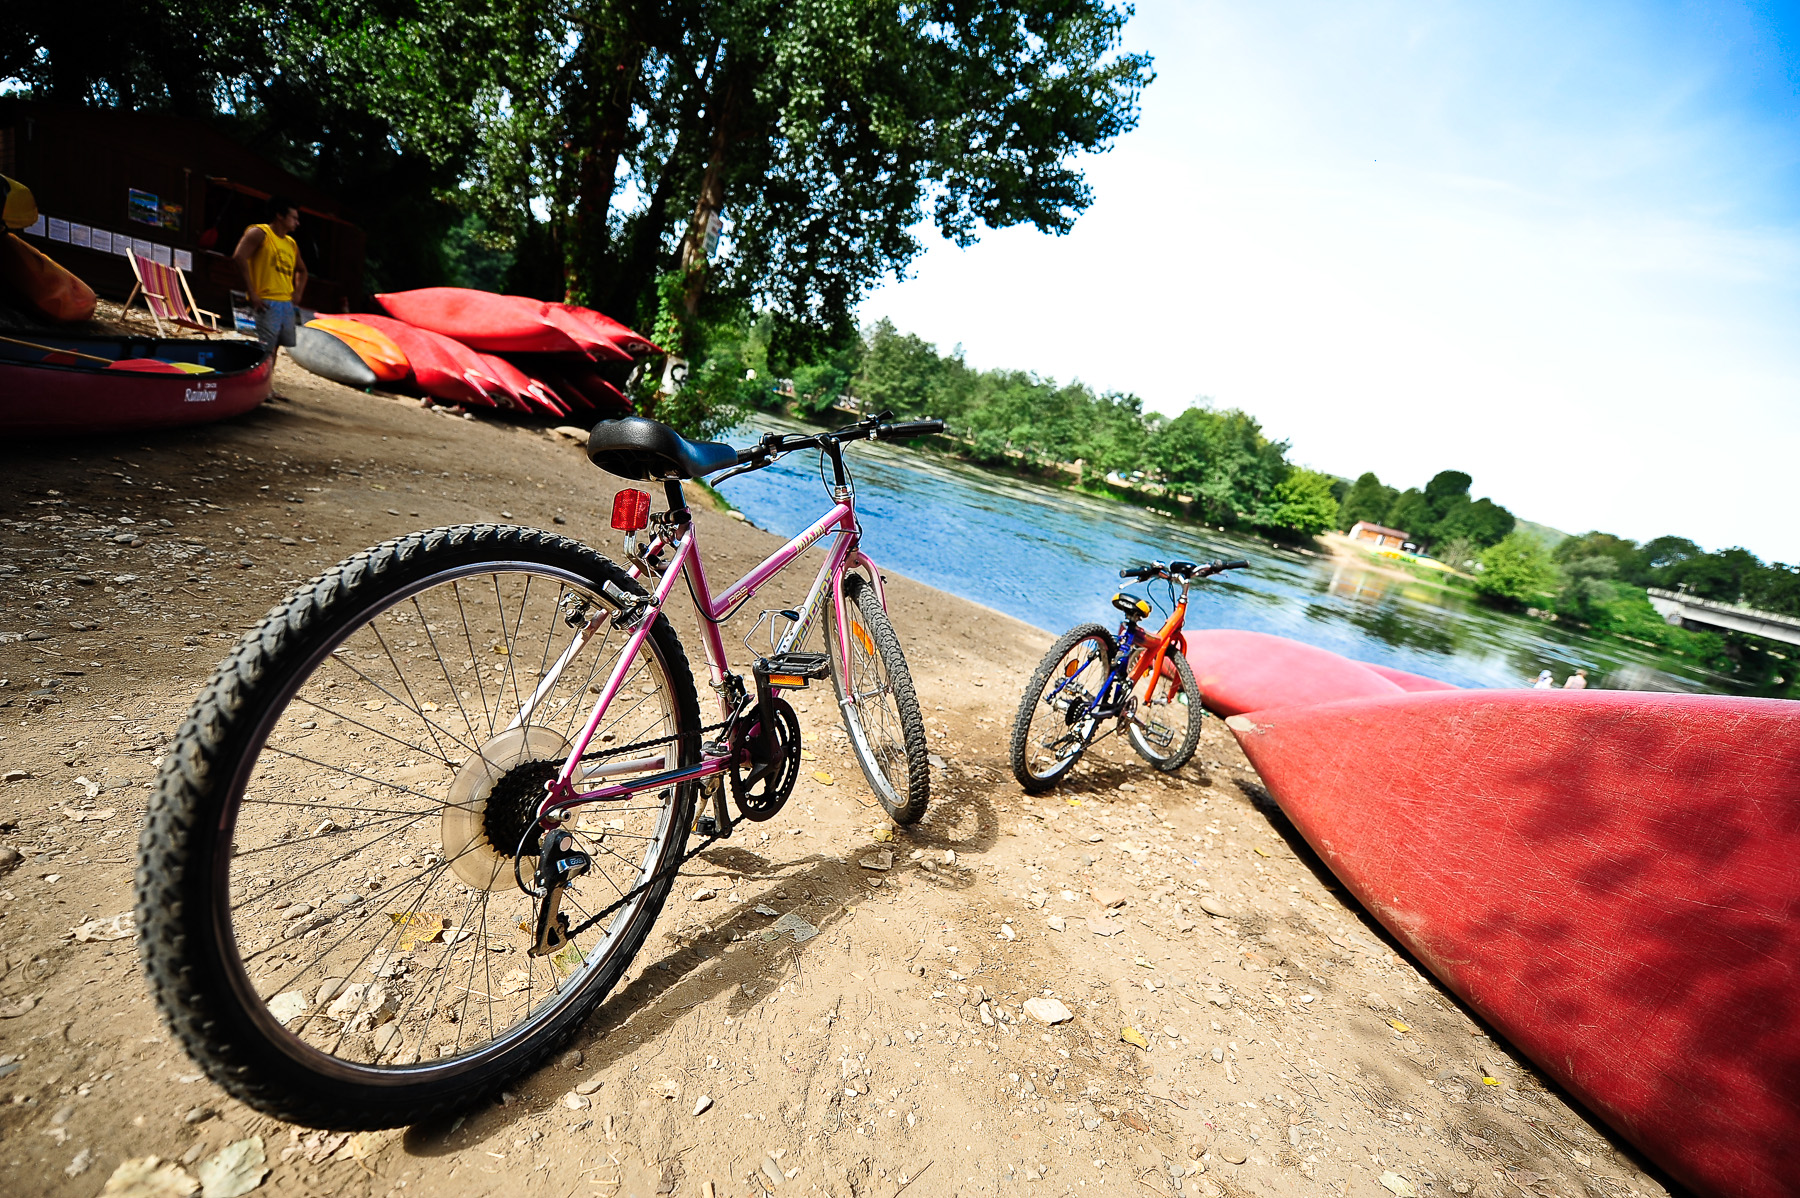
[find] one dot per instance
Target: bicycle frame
(1154, 660)
(565, 794)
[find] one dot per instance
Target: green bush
(1516, 571)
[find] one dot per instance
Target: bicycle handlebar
(874, 427)
(1181, 569)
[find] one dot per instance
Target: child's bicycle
(422, 818)
(1140, 679)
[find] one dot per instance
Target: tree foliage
(599, 138)
(1517, 570)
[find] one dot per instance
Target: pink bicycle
(419, 822)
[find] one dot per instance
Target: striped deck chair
(166, 295)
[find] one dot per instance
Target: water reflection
(1051, 558)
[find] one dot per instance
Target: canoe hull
(1611, 879)
(329, 357)
(41, 400)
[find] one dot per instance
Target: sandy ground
(1285, 1047)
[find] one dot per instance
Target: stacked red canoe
(477, 348)
(1609, 878)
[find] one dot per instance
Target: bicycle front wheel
(887, 734)
(1170, 711)
(326, 883)
(1055, 723)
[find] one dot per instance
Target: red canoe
(62, 393)
(443, 369)
(1409, 682)
(1611, 879)
(583, 387)
(1245, 671)
(482, 320)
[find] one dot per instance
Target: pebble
(1048, 1010)
(571, 1060)
(1057, 923)
(574, 1101)
(702, 1105)
(199, 1114)
(589, 1086)
(1216, 908)
(704, 893)
(1237, 1154)
(882, 861)
(1099, 925)
(1108, 899)
(15, 775)
(949, 856)
(10, 859)
(297, 910)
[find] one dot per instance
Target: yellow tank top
(272, 267)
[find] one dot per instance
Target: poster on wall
(59, 229)
(38, 227)
(160, 255)
(143, 207)
(102, 241)
(171, 216)
(184, 260)
(82, 235)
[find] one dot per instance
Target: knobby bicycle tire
(184, 898)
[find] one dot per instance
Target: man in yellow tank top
(274, 273)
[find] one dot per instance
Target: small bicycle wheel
(326, 883)
(1055, 723)
(887, 734)
(1170, 710)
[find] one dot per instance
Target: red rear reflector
(631, 510)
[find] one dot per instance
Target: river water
(1051, 558)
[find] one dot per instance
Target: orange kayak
(377, 350)
(44, 284)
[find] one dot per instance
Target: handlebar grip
(1235, 564)
(749, 454)
(909, 428)
(1139, 572)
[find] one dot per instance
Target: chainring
(760, 800)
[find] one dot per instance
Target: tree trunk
(600, 124)
(711, 200)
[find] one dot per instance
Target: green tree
(1411, 514)
(1368, 501)
(1482, 522)
(1303, 503)
(1516, 571)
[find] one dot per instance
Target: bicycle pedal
(793, 670)
(706, 825)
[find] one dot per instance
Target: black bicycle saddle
(635, 447)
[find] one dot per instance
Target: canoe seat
(635, 447)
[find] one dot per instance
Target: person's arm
(247, 246)
(299, 275)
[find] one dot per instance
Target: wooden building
(1379, 536)
(177, 190)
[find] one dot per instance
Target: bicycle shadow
(736, 954)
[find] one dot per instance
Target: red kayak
(1245, 671)
(443, 369)
(604, 326)
(1612, 879)
(531, 394)
(482, 320)
(583, 387)
(126, 384)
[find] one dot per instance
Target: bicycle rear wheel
(326, 882)
(887, 735)
(1171, 711)
(1055, 722)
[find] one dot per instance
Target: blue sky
(1554, 245)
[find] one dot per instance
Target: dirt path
(1286, 1048)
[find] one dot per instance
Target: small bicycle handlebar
(1181, 569)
